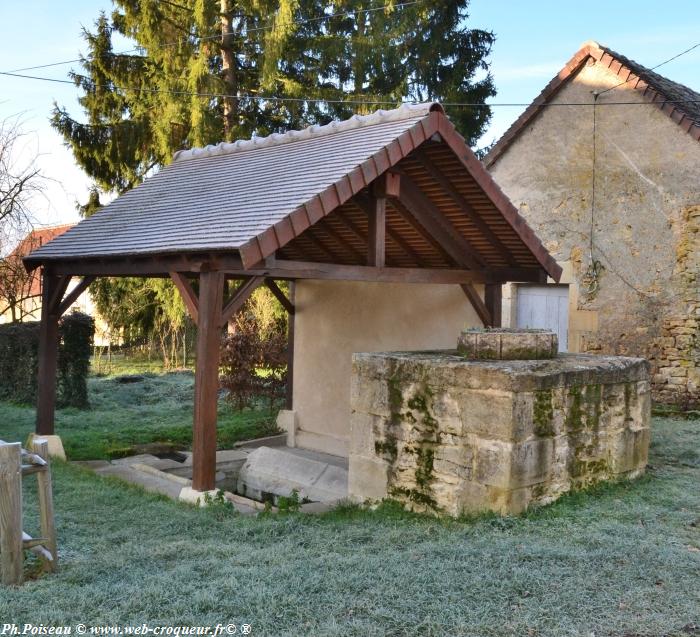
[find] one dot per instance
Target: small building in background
(25, 288)
(605, 166)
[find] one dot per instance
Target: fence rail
(15, 464)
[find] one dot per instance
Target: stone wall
(677, 356)
(644, 220)
(442, 434)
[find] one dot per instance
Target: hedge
(19, 360)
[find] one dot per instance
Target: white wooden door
(546, 307)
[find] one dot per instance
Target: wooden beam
(279, 295)
(312, 270)
(48, 351)
(289, 398)
(365, 205)
(289, 269)
(58, 292)
(478, 305)
(74, 294)
(240, 296)
(188, 295)
(493, 299)
(316, 240)
(438, 226)
(387, 185)
(439, 248)
(206, 380)
(230, 263)
(431, 168)
(376, 241)
(328, 229)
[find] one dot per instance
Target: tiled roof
(38, 237)
(259, 196)
(679, 102)
(220, 198)
(33, 240)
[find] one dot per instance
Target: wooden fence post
(45, 494)
(11, 547)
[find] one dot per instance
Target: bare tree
(19, 290)
(20, 181)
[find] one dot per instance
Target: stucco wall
(647, 171)
(334, 319)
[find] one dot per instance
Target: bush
(254, 362)
(19, 360)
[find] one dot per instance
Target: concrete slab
(281, 471)
(149, 481)
(146, 458)
(92, 464)
(278, 440)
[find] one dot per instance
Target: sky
(534, 39)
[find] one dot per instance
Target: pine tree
(201, 68)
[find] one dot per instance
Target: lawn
(619, 560)
(155, 409)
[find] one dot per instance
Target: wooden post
(45, 496)
(206, 380)
(493, 299)
(289, 400)
(377, 233)
(53, 288)
(11, 548)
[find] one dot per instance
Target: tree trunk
(230, 101)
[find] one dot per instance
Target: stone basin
(444, 434)
(507, 344)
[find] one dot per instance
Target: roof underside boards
(303, 196)
(342, 235)
(680, 103)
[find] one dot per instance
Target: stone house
(605, 166)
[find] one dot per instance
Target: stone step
(280, 471)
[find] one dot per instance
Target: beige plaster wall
(647, 175)
(335, 319)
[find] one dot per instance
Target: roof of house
(38, 237)
(33, 240)
(259, 196)
(680, 103)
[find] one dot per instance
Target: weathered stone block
(368, 478)
(444, 434)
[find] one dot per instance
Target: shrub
(254, 362)
(19, 360)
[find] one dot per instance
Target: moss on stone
(594, 398)
(574, 414)
(414, 495)
(387, 448)
(424, 466)
(543, 413)
(395, 393)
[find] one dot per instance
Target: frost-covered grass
(620, 560)
(155, 409)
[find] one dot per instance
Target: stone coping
(448, 366)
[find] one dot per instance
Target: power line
(367, 102)
(322, 18)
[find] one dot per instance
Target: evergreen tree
(201, 67)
